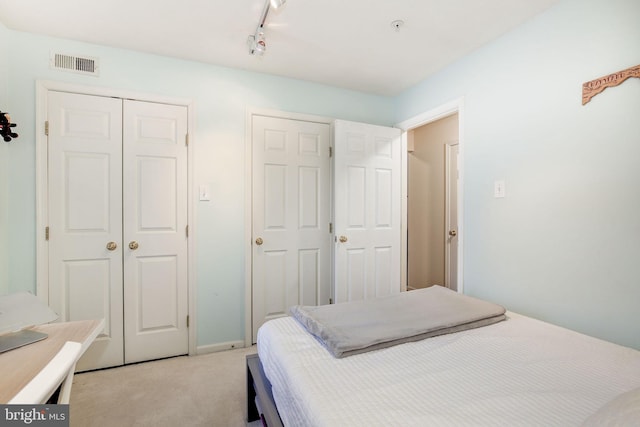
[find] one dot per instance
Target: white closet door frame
(42, 220)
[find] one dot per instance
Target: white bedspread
(520, 372)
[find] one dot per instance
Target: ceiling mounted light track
(257, 42)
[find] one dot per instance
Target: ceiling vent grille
(75, 64)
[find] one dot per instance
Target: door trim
(42, 220)
(445, 110)
(248, 200)
(447, 216)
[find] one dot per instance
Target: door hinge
(330, 228)
(46, 233)
(187, 321)
(330, 151)
(186, 230)
(46, 127)
(186, 140)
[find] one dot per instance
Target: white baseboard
(214, 348)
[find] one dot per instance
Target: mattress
(520, 372)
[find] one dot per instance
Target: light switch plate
(205, 192)
(499, 190)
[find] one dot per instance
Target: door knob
(343, 239)
(133, 245)
(453, 233)
(112, 246)
(259, 241)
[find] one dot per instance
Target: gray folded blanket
(356, 327)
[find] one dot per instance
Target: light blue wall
(4, 161)
(564, 245)
(221, 97)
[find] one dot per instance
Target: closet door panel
(85, 217)
(367, 169)
(155, 230)
(291, 256)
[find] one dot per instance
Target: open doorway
(430, 206)
(433, 193)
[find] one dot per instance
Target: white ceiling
(345, 43)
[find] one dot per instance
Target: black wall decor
(5, 127)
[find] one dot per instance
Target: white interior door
(451, 216)
(367, 168)
(85, 218)
(291, 258)
(155, 230)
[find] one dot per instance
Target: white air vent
(75, 64)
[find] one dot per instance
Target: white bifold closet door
(117, 205)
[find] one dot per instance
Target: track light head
(257, 44)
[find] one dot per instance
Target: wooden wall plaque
(594, 87)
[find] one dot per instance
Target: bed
(516, 372)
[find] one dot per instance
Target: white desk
(19, 366)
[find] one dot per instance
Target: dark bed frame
(259, 395)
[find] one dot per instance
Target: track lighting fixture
(257, 42)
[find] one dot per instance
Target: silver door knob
(111, 246)
(453, 233)
(259, 241)
(133, 245)
(343, 239)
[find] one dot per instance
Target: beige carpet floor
(204, 390)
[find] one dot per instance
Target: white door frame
(449, 153)
(42, 220)
(445, 110)
(248, 201)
